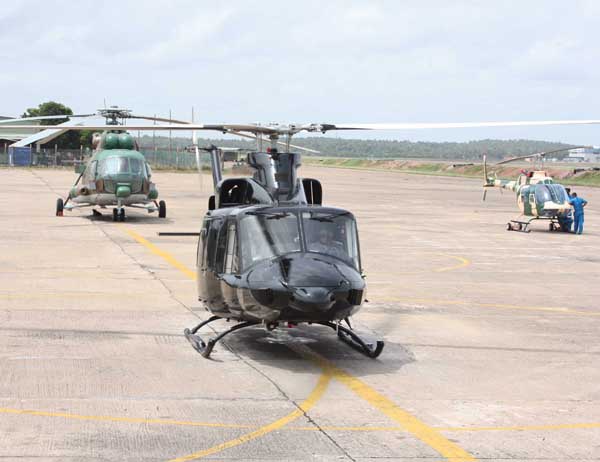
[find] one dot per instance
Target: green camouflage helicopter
(538, 196)
(116, 175)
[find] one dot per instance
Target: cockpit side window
(90, 172)
(211, 243)
(201, 250)
(231, 258)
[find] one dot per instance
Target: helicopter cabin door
(531, 207)
(523, 200)
(209, 286)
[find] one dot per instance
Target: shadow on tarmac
(276, 347)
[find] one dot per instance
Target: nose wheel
(162, 209)
(119, 214)
(60, 206)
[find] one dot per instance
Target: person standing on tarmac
(578, 204)
(566, 221)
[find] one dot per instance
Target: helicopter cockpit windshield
(268, 234)
(550, 192)
(332, 234)
(121, 165)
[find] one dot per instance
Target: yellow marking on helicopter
(420, 430)
(302, 409)
(553, 309)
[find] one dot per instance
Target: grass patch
(563, 176)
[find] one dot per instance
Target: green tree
(69, 140)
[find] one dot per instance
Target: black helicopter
(269, 253)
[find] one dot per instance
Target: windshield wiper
(328, 218)
(269, 215)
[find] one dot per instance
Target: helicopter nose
(311, 298)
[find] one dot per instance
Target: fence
(178, 159)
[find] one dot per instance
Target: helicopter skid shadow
(258, 344)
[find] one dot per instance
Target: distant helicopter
(269, 253)
(539, 197)
(117, 174)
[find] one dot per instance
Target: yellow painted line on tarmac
(102, 418)
(432, 301)
(522, 428)
(428, 435)
(187, 423)
(161, 253)
(463, 262)
(20, 295)
(303, 408)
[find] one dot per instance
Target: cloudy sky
(312, 61)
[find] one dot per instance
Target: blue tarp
(20, 156)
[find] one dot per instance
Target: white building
(591, 154)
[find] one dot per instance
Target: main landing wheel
(162, 209)
(122, 214)
(60, 206)
(115, 215)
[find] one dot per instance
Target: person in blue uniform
(578, 204)
(566, 221)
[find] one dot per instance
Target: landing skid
(206, 348)
(520, 226)
(346, 334)
(523, 225)
(349, 337)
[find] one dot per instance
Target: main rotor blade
(539, 154)
(50, 117)
(157, 119)
(421, 126)
(293, 129)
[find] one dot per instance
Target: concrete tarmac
(492, 337)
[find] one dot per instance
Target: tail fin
(485, 178)
(487, 181)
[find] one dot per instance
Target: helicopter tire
(122, 214)
(509, 226)
(60, 206)
(115, 215)
(162, 209)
